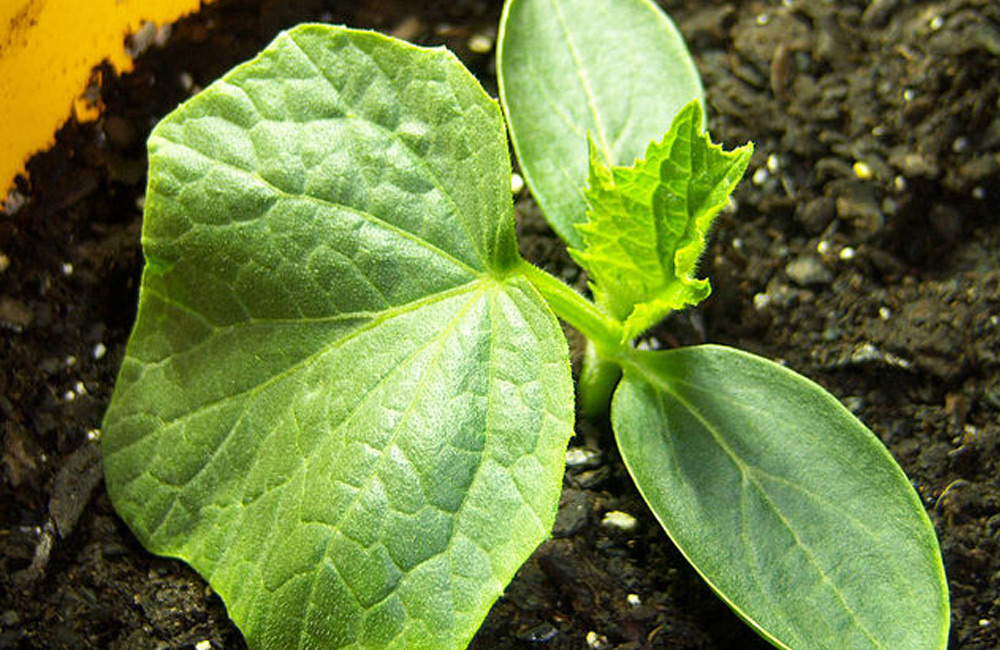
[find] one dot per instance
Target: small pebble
(621, 520)
(582, 457)
(120, 131)
(15, 201)
(99, 351)
(853, 403)
(633, 600)
(142, 39)
(162, 36)
(592, 478)
(884, 313)
(480, 43)
(761, 301)
(67, 269)
(14, 314)
(808, 271)
(516, 183)
(408, 29)
(862, 170)
(541, 633)
(204, 644)
(573, 515)
(847, 253)
(978, 193)
(760, 176)
(817, 214)
(596, 641)
(869, 353)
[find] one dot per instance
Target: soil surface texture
(863, 251)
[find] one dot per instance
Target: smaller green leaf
(648, 223)
(788, 506)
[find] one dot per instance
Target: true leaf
(616, 69)
(648, 223)
(786, 504)
(333, 392)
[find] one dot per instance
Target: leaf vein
(326, 203)
(424, 164)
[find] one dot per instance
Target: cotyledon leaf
(786, 504)
(335, 403)
(615, 69)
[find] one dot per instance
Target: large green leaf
(648, 223)
(333, 394)
(616, 69)
(784, 502)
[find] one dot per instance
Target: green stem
(604, 332)
(602, 357)
(598, 379)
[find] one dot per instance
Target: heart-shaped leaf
(334, 392)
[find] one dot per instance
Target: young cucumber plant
(347, 398)
(788, 506)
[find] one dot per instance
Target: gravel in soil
(863, 251)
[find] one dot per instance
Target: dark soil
(864, 252)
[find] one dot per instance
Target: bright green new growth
(346, 398)
(647, 224)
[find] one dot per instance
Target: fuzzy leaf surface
(648, 223)
(788, 506)
(616, 69)
(333, 391)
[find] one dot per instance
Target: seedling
(347, 398)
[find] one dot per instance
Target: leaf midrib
(383, 455)
(581, 74)
(384, 316)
